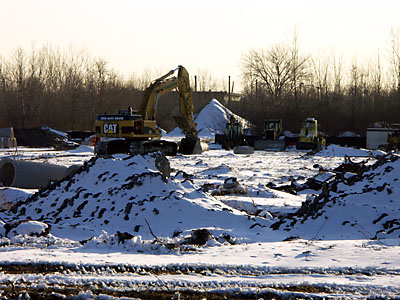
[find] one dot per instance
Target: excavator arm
(166, 83)
(159, 87)
(163, 85)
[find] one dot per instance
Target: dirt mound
(43, 137)
(363, 203)
(130, 194)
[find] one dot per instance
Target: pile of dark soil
(43, 137)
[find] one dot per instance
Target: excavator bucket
(190, 146)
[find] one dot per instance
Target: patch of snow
(348, 134)
(82, 150)
(29, 228)
(335, 150)
(290, 134)
(60, 133)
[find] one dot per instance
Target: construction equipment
(384, 138)
(394, 137)
(273, 137)
(136, 132)
(309, 138)
(233, 134)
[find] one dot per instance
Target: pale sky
(136, 36)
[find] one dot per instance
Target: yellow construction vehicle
(233, 134)
(309, 138)
(393, 137)
(273, 137)
(136, 132)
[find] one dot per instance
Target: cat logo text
(110, 128)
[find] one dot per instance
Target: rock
(243, 150)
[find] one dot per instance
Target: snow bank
(10, 196)
(365, 207)
(57, 132)
(335, 150)
(83, 149)
(211, 120)
(130, 194)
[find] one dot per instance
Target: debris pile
(43, 137)
(230, 187)
(133, 195)
(348, 172)
(364, 200)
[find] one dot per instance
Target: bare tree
(376, 88)
(270, 68)
(299, 64)
(205, 81)
(337, 73)
(278, 70)
(322, 85)
(18, 73)
(395, 57)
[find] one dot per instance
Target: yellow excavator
(136, 132)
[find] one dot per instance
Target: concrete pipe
(31, 175)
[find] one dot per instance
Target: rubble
(43, 137)
(230, 187)
(348, 172)
(342, 189)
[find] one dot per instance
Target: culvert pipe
(31, 175)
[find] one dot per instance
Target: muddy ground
(23, 289)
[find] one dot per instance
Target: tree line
(282, 82)
(66, 89)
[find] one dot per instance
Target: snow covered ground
(125, 226)
(244, 254)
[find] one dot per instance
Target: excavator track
(136, 147)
